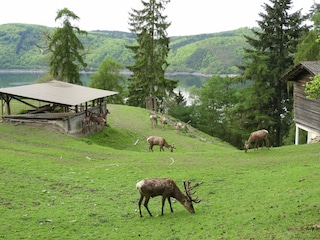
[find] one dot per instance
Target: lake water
(17, 79)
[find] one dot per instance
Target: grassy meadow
(55, 186)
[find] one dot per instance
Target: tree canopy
(108, 77)
(149, 54)
(66, 59)
(309, 50)
(268, 102)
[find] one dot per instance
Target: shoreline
(125, 72)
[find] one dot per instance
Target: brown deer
(167, 188)
(155, 140)
(86, 123)
(98, 121)
(256, 137)
(154, 119)
(104, 115)
(178, 126)
(163, 121)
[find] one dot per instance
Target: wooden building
(57, 103)
(306, 111)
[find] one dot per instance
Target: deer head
(188, 203)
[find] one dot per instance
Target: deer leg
(163, 201)
(161, 148)
(146, 205)
(267, 142)
(139, 204)
(169, 200)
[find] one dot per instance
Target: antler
(188, 188)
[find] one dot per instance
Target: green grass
(54, 186)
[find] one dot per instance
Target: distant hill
(216, 53)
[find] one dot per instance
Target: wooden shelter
(306, 111)
(62, 104)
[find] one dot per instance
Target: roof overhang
(58, 92)
(311, 67)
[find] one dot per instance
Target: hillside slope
(216, 53)
(129, 127)
(54, 186)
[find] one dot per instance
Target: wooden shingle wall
(306, 111)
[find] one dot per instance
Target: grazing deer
(154, 119)
(98, 121)
(155, 140)
(163, 121)
(167, 188)
(86, 122)
(256, 137)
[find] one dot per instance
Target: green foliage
(79, 188)
(208, 53)
(269, 57)
(214, 110)
(313, 88)
(150, 54)
(66, 58)
(18, 49)
(108, 77)
(309, 49)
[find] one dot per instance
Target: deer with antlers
(167, 188)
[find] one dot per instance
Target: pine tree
(269, 103)
(67, 50)
(150, 54)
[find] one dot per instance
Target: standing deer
(163, 121)
(154, 119)
(256, 137)
(86, 123)
(167, 188)
(155, 140)
(104, 115)
(178, 126)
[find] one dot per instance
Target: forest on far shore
(215, 53)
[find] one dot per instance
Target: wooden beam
(20, 100)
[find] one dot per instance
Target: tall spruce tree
(66, 59)
(268, 103)
(149, 54)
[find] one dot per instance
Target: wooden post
(151, 103)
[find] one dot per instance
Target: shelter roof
(57, 92)
(312, 67)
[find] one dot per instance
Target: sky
(187, 17)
